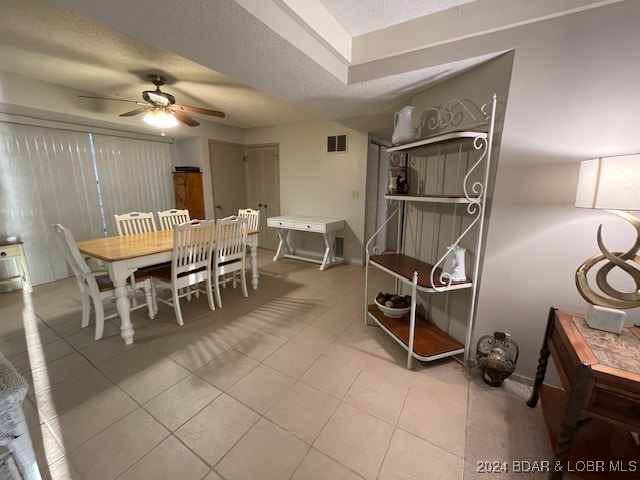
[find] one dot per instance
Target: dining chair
(230, 252)
(128, 224)
(169, 218)
(135, 222)
(190, 264)
(95, 285)
(253, 218)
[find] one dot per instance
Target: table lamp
(612, 184)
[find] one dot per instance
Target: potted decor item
(496, 356)
(403, 126)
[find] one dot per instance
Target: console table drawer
(10, 251)
(312, 227)
(274, 222)
(616, 406)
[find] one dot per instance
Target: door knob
(219, 207)
(259, 204)
(265, 205)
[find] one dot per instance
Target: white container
(403, 126)
(392, 312)
(454, 263)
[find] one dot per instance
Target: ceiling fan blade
(202, 111)
(134, 112)
(184, 118)
(107, 98)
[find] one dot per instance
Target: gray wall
(573, 95)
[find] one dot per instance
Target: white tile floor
(287, 384)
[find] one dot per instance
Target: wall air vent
(337, 143)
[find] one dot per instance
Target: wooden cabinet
(188, 190)
(591, 420)
(454, 155)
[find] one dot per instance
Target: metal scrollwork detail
(628, 261)
(451, 114)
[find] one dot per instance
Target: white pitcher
(454, 263)
(403, 126)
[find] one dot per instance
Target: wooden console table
(328, 227)
(591, 420)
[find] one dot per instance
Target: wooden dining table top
(113, 249)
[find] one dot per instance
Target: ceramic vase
(403, 126)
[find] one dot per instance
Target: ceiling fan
(161, 107)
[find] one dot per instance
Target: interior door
(263, 189)
(227, 178)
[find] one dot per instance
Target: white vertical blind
(46, 177)
(134, 176)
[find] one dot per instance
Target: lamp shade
(160, 118)
(611, 183)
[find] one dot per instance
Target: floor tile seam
(144, 406)
(156, 446)
(328, 455)
(285, 373)
(275, 425)
(434, 444)
(326, 393)
(97, 433)
(404, 402)
(55, 439)
(228, 387)
(213, 467)
(270, 406)
(45, 367)
(386, 451)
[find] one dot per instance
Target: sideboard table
(11, 249)
(592, 419)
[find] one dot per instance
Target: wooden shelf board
(428, 198)
(402, 266)
(436, 139)
(596, 440)
(429, 341)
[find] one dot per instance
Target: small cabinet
(470, 153)
(188, 191)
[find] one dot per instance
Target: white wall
(573, 95)
(321, 184)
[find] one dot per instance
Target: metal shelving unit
(416, 334)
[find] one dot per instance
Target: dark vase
(496, 356)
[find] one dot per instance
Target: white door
(263, 189)
(227, 178)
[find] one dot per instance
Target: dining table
(123, 255)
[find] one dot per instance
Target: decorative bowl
(392, 312)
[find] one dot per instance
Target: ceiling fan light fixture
(160, 118)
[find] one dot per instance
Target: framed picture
(398, 180)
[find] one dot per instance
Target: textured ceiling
(42, 41)
(359, 17)
(108, 47)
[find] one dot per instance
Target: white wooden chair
(190, 265)
(230, 251)
(128, 224)
(253, 218)
(95, 285)
(169, 218)
(135, 222)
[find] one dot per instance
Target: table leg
(119, 276)
(253, 254)
(542, 362)
(329, 257)
(571, 422)
(282, 245)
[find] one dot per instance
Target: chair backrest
(135, 222)
(170, 218)
(72, 255)
(231, 239)
(192, 246)
(253, 218)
